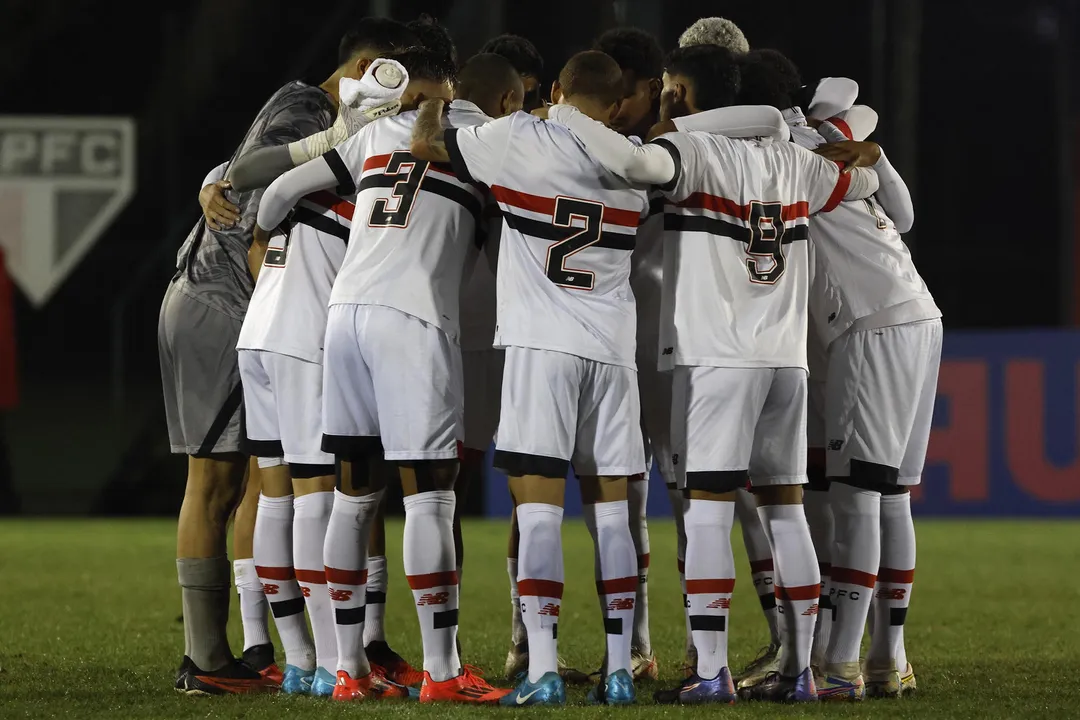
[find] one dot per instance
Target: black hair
(379, 34)
(521, 53)
(425, 64)
(486, 77)
(434, 36)
(592, 74)
(634, 50)
(769, 78)
(713, 70)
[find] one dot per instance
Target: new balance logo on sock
(340, 595)
(719, 604)
(269, 589)
(550, 609)
(812, 610)
(891, 594)
(439, 598)
(305, 591)
(621, 604)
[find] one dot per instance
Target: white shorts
(283, 407)
(559, 409)
(731, 423)
(655, 390)
(483, 374)
(880, 401)
(392, 376)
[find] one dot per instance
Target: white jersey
(863, 270)
(735, 258)
(287, 314)
(416, 222)
(563, 281)
(647, 281)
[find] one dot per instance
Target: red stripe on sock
(853, 577)
(759, 566)
(335, 576)
(312, 577)
(615, 585)
(718, 586)
(540, 588)
(682, 566)
(275, 573)
(643, 561)
(799, 592)
(889, 575)
(432, 580)
(825, 569)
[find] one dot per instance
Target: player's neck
(330, 86)
(642, 130)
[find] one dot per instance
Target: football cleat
(890, 683)
(767, 661)
(297, 681)
(616, 689)
(467, 687)
(550, 689)
(644, 666)
(261, 659)
(323, 683)
(695, 690)
(841, 681)
(517, 660)
(397, 669)
(373, 686)
(236, 678)
(779, 688)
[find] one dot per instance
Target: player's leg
(254, 608)
(608, 451)
(778, 471)
(201, 385)
(818, 510)
(759, 553)
(888, 670)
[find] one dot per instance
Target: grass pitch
(88, 625)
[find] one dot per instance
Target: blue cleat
(695, 690)
(297, 681)
(779, 688)
(616, 689)
(323, 684)
(549, 690)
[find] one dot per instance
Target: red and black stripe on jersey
(511, 202)
(438, 180)
(329, 205)
(702, 212)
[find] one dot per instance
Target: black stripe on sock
(286, 608)
(555, 631)
(715, 623)
(375, 597)
(350, 616)
(445, 619)
(613, 626)
(768, 601)
(897, 616)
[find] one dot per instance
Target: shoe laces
(473, 676)
(762, 656)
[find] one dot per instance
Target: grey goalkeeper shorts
(200, 377)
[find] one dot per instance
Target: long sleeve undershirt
(286, 191)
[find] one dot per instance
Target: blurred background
(109, 120)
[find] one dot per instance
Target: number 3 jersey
(568, 233)
(736, 271)
(415, 224)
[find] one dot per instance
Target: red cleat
(397, 669)
(468, 687)
(373, 686)
(273, 674)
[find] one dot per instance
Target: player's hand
(851, 153)
(542, 111)
(219, 212)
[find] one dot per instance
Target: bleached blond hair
(716, 31)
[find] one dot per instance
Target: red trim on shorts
(540, 588)
(335, 576)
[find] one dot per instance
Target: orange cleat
(236, 678)
(273, 674)
(260, 658)
(373, 686)
(468, 687)
(397, 669)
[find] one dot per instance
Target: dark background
(979, 110)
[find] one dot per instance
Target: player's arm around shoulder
(846, 173)
(428, 136)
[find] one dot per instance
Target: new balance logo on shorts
(719, 604)
(439, 598)
(621, 604)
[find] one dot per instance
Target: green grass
(88, 625)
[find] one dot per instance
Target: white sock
(798, 583)
(378, 578)
(345, 558)
(894, 582)
(310, 520)
(253, 605)
(819, 516)
(517, 627)
(856, 555)
(430, 562)
(678, 509)
(710, 580)
(618, 582)
(273, 546)
(637, 495)
(759, 552)
(540, 582)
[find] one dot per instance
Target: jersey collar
(466, 106)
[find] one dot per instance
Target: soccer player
(523, 55)
(567, 321)
(734, 332)
(392, 376)
(197, 333)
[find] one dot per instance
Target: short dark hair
(425, 64)
(712, 69)
(769, 78)
(434, 36)
(521, 53)
(592, 74)
(486, 77)
(634, 50)
(379, 34)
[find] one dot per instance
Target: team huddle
(668, 263)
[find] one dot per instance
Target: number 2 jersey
(416, 223)
(568, 232)
(736, 271)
